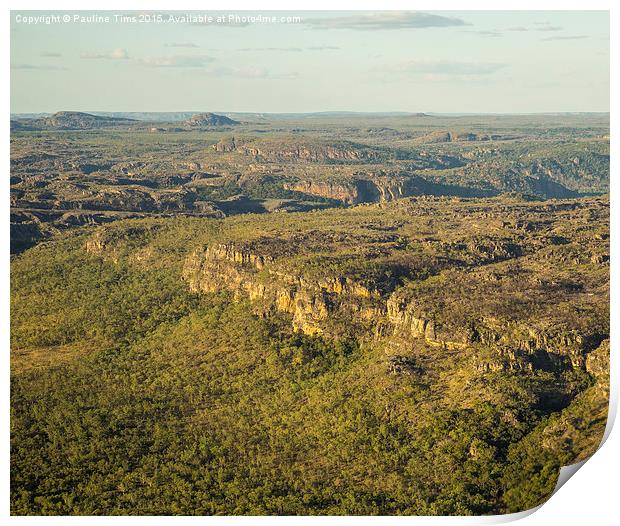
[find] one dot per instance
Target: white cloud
(262, 49)
(177, 61)
(323, 48)
(289, 49)
(384, 20)
(546, 26)
(251, 73)
(484, 33)
(116, 54)
(567, 37)
(182, 44)
(37, 66)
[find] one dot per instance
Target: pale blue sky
(465, 62)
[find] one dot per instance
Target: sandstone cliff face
(379, 188)
(358, 190)
(354, 192)
(310, 302)
(597, 363)
(318, 305)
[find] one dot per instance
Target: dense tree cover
(156, 401)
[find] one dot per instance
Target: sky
(441, 61)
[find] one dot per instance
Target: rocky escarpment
(336, 304)
(516, 343)
(359, 190)
(353, 192)
(299, 150)
(382, 188)
(310, 301)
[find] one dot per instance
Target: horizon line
(375, 112)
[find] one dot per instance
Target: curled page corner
(566, 472)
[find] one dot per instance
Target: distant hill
(71, 120)
(21, 125)
(209, 119)
(77, 119)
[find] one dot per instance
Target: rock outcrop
(377, 188)
(318, 305)
(310, 302)
(209, 120)
(354, 192)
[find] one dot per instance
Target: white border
(590, 497)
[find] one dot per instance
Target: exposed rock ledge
(319, 304)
